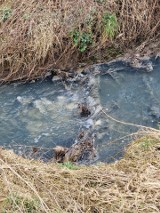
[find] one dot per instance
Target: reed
(36, 36)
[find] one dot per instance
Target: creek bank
(50, 187)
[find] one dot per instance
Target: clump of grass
(5, 14)
(70, 165)
(110, 25)
(36, 36)
(17, 203)
(146, 143)
(81, 40)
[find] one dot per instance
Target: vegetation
(5, 14)
(70, 165)
(17, 203)
(129, 185)
(81, 40)
(39, 35)
(110, 25)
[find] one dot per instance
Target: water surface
(45, 113)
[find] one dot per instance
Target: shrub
(81, 40)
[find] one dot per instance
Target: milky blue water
(45, 113)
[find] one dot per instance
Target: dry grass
(131, 185)
(40, 35)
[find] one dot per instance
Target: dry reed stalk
(129, 185)
(36, 36)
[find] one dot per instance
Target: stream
(45, 113)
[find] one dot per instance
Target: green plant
(26, 16)
(110, 25)
(16, 202)
(100, 1)
(5, 14)
(81, 39)
(69, 165)
(146, 144)
(30, 205)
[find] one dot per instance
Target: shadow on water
(45, 114)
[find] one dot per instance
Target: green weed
(16, 202)
(70, 165)
(5, 14)
(81, 39)
(30, 205)
(100, 1)
(110, 25)
(146, 144)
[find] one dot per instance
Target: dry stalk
(37, 35)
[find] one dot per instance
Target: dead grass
(131, 185)
(40, 35)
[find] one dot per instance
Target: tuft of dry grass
(129, 185)
(39, 35)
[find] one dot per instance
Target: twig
(130, 124)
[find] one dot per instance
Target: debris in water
(81, 151)
(60, 152)
(84, 111)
